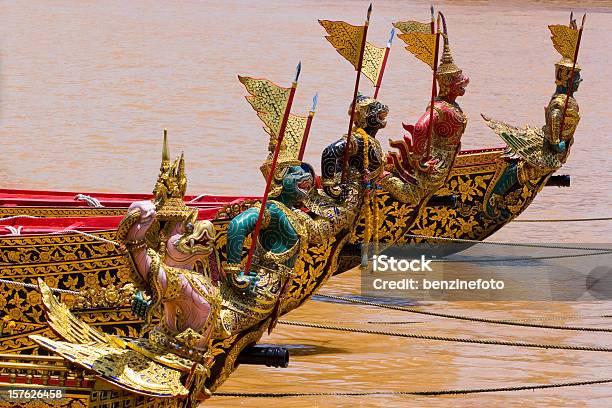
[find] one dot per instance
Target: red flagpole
(572, 73)
(384, 63)
(433, 89)
(281, 135)
(355, 92)
(308, 124)
(433, 31)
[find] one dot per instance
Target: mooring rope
(520, 259)
(445, 338)
(466, 318)
(197, 198)
(501, 243)
(91, 201)
(108, 241)
(408, 393)
(12, 217)
(32, 286)
(566, 220)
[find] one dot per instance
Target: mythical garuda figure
(174, 257)
(426, 155)
(535, 153)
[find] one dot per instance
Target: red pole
(384, 63)
(433, 30)
(307, 129)
(352, 117)
(382, 71)
(433, 91)
(281, 135)
(572, 73)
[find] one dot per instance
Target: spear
(352, 116)
(433, 31)
(281, 135)
(384, 63)
(570, 88)
(311, 114)
(433, 82)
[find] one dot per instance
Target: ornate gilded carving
(231, 210)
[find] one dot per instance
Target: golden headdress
(287, 156)
(170, 188)
(565, 41)
(447, 70)
(563, 71)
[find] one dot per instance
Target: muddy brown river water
(87, 87)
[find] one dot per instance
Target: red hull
(208, 205)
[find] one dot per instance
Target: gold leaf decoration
(373, 57)
(412, 26)
(565, 40)
(268, 100)
(422, 45)
(345, 38)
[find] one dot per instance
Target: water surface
(86, 88)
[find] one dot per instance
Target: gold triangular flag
(422, 45)
(267, 99)
(565, 40)
(373, 57)
(345, 38)
(412, 26)
(270, 102)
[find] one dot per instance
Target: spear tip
(391, 36)
(298, 69)
(431, 8)
(583, 19)
(369, 12)
(315, 100)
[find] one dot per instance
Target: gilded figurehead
(534, 153)
(428, 152)
(370, 117)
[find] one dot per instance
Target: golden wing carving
(565, 40)
(64, 323)
(422, 45)
(106, 355)
(412, 26)
(345, 38)
(527, 143)
(123, 367)
(373, 57)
